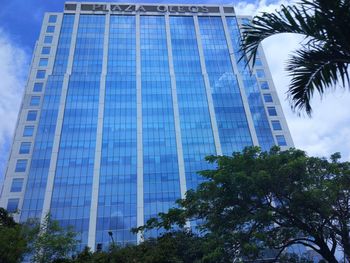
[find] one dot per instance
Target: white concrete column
(140, 206)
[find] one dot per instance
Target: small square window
(268, 98)
(264, 85)
(12, 205)
(276, 125)
(24, 148)
(32, 114)
(40, 74)
(45, 51)
(28, 131)
(34, 101)
(38, 87)
(281, 141)
(272, 111)
(48, 39)
(258, 62)
(43, 62)
(52, 18)
(21, 166)
(16, 186)
(50, 29)
(260, 73)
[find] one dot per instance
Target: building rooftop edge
(149, 4)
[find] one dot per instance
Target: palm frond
(323, 58)
(315, 70)
(290, 19)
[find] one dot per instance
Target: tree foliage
(52, 242)
(256, 200)
(179, 246)
(323, 60)
(46, 242)
(13, 243)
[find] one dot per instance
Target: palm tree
(323, 59)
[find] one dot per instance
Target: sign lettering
(146, 8)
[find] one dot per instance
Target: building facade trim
(140, 203)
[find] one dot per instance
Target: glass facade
(122, 110)
(251, 87)
(117, 188)
(71, 197)
(196, 131)
(230, 115)
(160, 163)
(42, 148)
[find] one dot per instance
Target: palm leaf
(323, 60)
(290, 19)
(313, 70)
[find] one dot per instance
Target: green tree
(178, 246)
(52, 243)
(13, 242)
(257, 200)
(323, 60)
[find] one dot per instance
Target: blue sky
(20, 20)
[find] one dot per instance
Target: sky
(328, 130)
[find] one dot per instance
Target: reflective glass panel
(16, 185)
(12, 205)
(21, 166)
(24, 148)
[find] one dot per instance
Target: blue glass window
(38, 87)
(48, 39)
(24, 148)
(268, 98)
(32, 114)
(276, 125)
(264, 85)
(258, 62)
(34, 101)
(52, 18)
(45, 51)
(43, 62)
(28, 131)
(50, 29)
(260, 73)
(272, 111)
(281, 141)
(12, 205)
(21, 166)
(40, 74)
(16, 185)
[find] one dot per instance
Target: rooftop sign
(144, 8)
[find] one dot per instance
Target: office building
(122, 104)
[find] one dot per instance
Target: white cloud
(328, 130)
(13, 73)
